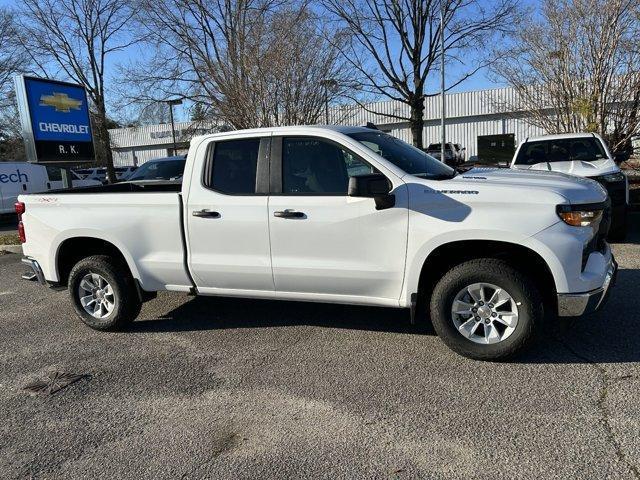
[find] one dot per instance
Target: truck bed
(144, 221)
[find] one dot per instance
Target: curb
(11, 248)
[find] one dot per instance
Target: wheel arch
(71, 250)
(446, 256)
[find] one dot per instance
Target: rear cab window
(232, 166)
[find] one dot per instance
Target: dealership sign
(55, 120)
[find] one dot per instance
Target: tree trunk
(416, 121)
(103, 137)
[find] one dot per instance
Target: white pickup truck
(585, 155)
(333, 214)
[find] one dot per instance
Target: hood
(580, 168)
(574, 189)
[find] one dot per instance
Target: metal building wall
(153, 141)
(466, 131)
(124, 157)
(469, 115)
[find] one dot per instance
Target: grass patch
(9, 239)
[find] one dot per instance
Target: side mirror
(371, 185)
(620, 157)
(374, 185)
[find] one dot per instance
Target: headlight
(580, 215)
(613, 177)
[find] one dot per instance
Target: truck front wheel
(485, 309)
(103, 293)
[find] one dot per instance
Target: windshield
(165, 170)
(404, 156)
(587, 149)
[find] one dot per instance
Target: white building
(471, 117)
(136, 145)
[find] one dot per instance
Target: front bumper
(576, 304)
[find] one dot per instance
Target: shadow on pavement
(211, 313)
(607, 336)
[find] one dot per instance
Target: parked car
(22, 177)
(454, 153)
(584, 155)
(100, 173)
(333, 214)
(123, 173)
(169, 168)
(97, 173)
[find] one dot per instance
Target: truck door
(226, 220)
(324, 242)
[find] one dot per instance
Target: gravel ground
(222, 388)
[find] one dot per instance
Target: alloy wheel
(484, 313)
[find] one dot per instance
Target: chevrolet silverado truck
(333, 214)
(584, 155)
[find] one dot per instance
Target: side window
(315, 166)
(54, 173)
(233, 168)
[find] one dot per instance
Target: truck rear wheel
(485, 309)
(103, 293)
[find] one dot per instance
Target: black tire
(126, 302)
(497, 272)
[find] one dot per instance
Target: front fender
(420, 254)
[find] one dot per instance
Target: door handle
(205, 214)
(288, 213)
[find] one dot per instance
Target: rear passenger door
(227, 223)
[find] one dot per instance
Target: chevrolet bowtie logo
(61, 102)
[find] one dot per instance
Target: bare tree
(576, 67)
(154, 112)
(75, 38)
(395, 45)
(12, 62)
(247, 62)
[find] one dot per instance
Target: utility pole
(171, 103)
(443, 139)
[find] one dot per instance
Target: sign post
(55, 120)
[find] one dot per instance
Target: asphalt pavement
(228, 388)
